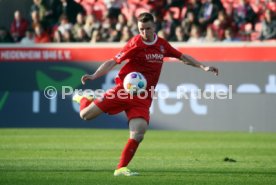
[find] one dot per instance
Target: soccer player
(145, 53)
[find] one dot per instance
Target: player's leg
(137, 129)
(88, 109)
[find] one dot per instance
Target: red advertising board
(102, 52)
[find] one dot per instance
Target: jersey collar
(151, 43)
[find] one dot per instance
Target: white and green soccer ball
(135, 83)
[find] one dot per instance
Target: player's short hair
(145, 17)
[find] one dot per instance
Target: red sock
(84, 103)
(128, 153)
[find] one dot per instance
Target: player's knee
(138, 136)
(138, 128)
(86, 116)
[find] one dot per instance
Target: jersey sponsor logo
(155, 57)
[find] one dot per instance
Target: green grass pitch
(88, 156)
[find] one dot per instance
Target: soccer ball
(135, 82)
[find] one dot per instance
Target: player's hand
(86, 77)
(212, 69)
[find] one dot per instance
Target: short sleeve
(171, 51)
(126, 52)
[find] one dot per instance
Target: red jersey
(146, 58)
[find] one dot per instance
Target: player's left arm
(187, 59)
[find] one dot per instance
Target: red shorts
(117, 100)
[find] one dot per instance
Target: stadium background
(247, 67)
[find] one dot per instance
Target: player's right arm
(124, 54)
(102, 70)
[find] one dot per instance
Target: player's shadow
(57, 170)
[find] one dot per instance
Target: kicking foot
(78, 96)
(124, 171)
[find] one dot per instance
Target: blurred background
(54, 42)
